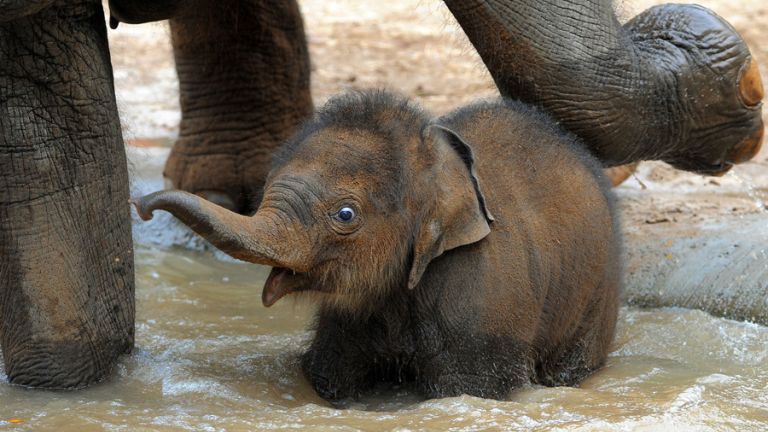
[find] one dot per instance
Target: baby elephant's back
(526, 162)
(555, 228)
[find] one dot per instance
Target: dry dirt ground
(416, 47)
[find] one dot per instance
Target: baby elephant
(472, 254)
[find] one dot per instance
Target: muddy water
(210, 357)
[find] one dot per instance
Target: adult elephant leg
(244, 79)
(66, 263)
(676, 83)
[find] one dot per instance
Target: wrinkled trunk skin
(66, 263)
(11, 10)
(665, 86)
(244, 80)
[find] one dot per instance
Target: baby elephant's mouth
(281, 282)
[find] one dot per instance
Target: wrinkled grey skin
(649, 90)
(15, 9)
(66, 263)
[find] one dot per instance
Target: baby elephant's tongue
(278, 284)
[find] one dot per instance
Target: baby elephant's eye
(345, 214)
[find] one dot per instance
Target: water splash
(758, 197)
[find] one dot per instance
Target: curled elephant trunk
(255, 239)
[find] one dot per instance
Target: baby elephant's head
(357, 204)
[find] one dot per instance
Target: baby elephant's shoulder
(499, 116)
(511, 136)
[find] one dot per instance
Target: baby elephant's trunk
(254, 239)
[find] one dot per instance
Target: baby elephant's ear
(458, 215)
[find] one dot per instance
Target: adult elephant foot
(243, 71)
(676, 83)
(66, 258)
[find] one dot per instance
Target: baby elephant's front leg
(478, 367)
(337, 364)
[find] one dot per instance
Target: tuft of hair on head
(381, 112)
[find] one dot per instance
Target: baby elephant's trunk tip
(243, 237)
(163, 200)
(140, 209)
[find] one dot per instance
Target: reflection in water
(209, 356)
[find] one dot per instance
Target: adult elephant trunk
(676, 83)
(259, 239)
(11, 10)
(66, 257)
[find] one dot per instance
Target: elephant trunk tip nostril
(748, 147)
(751, 85)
